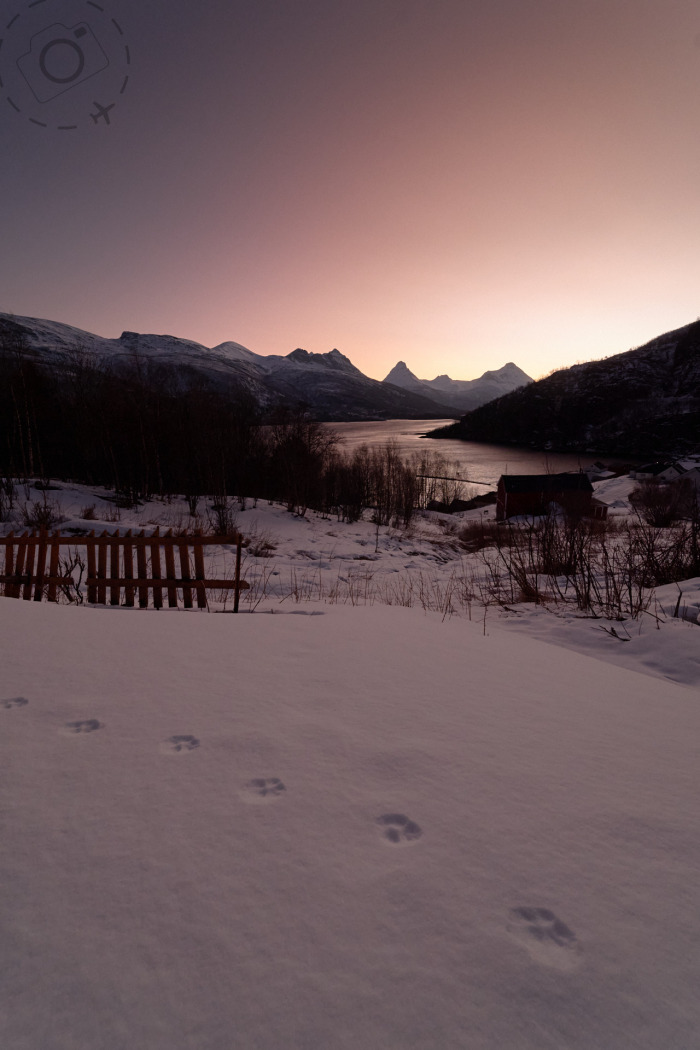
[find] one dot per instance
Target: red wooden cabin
(532, 494)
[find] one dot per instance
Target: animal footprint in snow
(14, 701)
(397, 829)
(546, 938)
(181, 743)
(263, 789)
(88, 725)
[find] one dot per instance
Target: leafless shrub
(666, 555)
(72, 568)
(223, 517)
(686, 612)
(259, 584)
(260, 542)
(478, 534)
(8, 495)
(438, 476)
(87, 513)
(304, 587)
(42, 514)
(580, 562)
(662, 504)
(178, 521)
(127, 499)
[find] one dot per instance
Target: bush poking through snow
(260, 542)
(602, 570)
(663, 504)
(42, 514)
(223, 517)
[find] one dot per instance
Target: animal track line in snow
(548, 940)
(178, 744)
(398, 830)
(14, 701)
(87, 725)
(263, 789)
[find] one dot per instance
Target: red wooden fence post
(128, 570)
(142, 564)
(29, 566)
(91, 568)
(40, 565)
(53, 565)
(199, 570)
(9, 565)
(155, 569)
(102, 542)
(185, 570)
(114, 574)
(237, 592)
(168, 546)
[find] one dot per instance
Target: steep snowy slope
(645, 402)
(329, 384)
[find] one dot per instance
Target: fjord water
(473, 460)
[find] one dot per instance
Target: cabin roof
(546, 482)
(652, 468)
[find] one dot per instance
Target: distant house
(666, 472)
(672, 472)
(532, 494)
(598, 471)
(693, 477)
(648, 471)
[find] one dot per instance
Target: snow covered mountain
(644, 402)
(401, 375)
(462, 394)
(329, 384)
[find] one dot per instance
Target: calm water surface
(474, 461)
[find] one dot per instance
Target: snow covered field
(334, 825)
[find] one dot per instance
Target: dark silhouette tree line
(146, 429)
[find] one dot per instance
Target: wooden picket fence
(132, 565)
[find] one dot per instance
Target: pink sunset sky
(455, 184)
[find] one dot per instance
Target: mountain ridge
(462, 394)
(331, 387)
(644, 401)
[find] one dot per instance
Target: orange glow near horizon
(448, 185)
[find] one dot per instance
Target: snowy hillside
(329, 384)
(461, 394)
(643, 402)
(343, 825)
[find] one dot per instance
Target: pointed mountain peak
(401, 374)
(340, 362)
(509, 373)
(302, 357)
(333, 359)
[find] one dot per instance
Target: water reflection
(475, 461)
